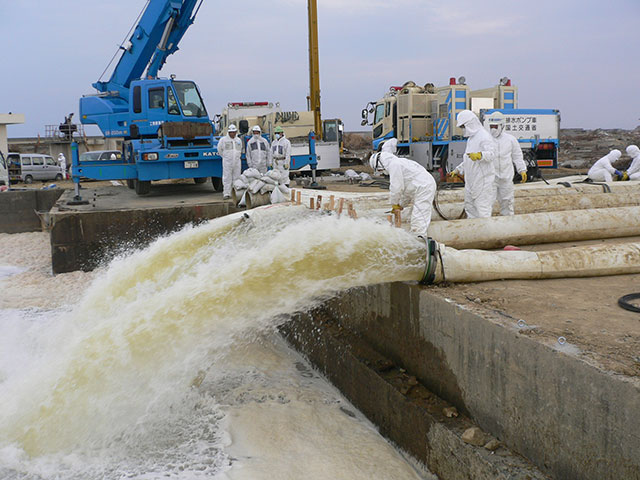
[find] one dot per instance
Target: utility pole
(314, 67)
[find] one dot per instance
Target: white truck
(296, 126)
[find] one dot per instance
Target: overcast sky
(578, 56)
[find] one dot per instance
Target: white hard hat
(374, 162)
(496, 118)
(256, 128)
(465, 116)
(233, 128)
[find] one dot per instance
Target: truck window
(189, 99)
(173, 104)
(137, 99)
(387, 109)
(156, 98)
(37, 160)
(379, 113)
(330, 131)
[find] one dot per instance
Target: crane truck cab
(166, 128)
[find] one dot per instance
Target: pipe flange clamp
(432, 261)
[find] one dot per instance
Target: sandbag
(268, 188)
(277, 196)
(256, 185)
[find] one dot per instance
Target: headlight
(149, 156)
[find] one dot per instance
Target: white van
(27, 167)
(4, 171)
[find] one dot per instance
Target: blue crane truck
(166, 129)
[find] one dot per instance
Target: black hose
(624, 302)
(436, 204)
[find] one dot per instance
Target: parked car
(27, 167)
(101, 155)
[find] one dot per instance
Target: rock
(450, 412)
(473, 436)
(492, 445)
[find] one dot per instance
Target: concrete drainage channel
(410, 360)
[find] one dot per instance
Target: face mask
(256, 135)
(278, 136)
(495, 132)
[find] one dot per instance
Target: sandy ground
(582, 310)
(35, 285)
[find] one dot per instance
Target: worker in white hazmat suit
(508, 154)
(603, 171)
(409, 183)
(230, 149)
(477, 166)
(281, 154)
(62, 161)
(633, 172)
(258, 151)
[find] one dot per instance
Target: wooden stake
(311, 204)
(332, 200)
(352, 213)
(398, 218)
(298, 197)
(319, 204)
(340, 206)
(390, 218)
(293, 196)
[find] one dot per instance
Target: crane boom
(156, 36)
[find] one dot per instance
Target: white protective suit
(281, 157)
(409, 183)
(390, 146)
(634, 169)
(479, 175)
(258, 153)
(508, 153)
(230, 149)
(602, 170)
(62, 160)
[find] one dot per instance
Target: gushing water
(119, 369)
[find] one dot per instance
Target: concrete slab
(22, 210)
(572, 418)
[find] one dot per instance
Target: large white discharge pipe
(534, 228)
(583, 261)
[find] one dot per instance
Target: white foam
(107, 387)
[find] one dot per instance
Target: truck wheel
(59, 177)
(200, 180)
(28, 179)
(217, 183)
(142, 187)
(131, 183)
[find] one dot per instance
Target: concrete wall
(84, 240)
(570, 419)
(18, 209)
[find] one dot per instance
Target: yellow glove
(396, 208)
(524, 177)
(475, 156)
(625, 175)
